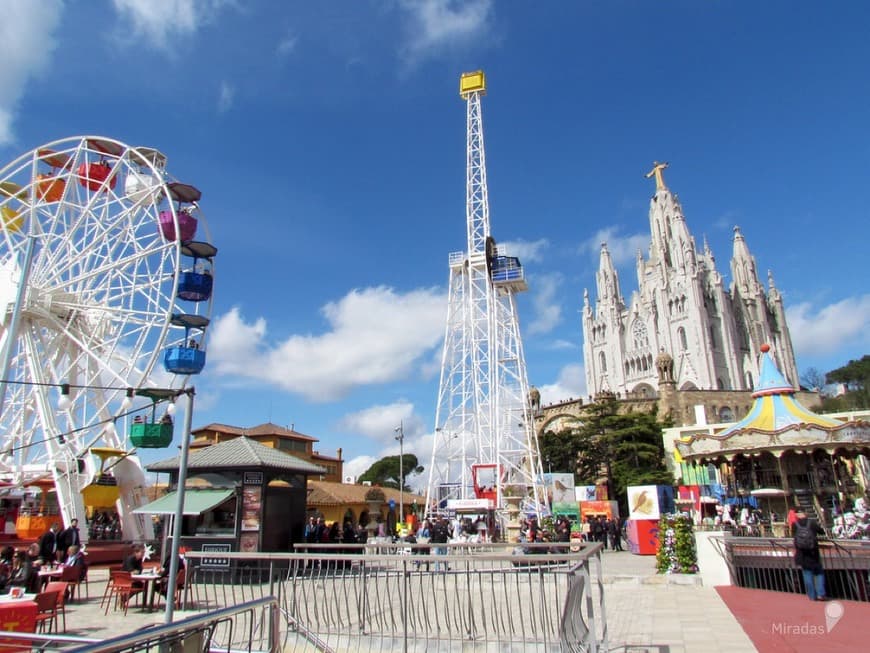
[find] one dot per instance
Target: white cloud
(563, 344)
(571, 384)
(434, 26)
(527, 251)
(287, 44)
(548, 311)
(357, 466)
(623, 249)
(830, 328)
(380, 422)
(26, 45)
(159, 22)
(375, 335)
(226, 95)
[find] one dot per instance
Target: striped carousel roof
(775, 406)
(776, 422)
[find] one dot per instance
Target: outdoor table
(149, 580)
(7, 599)
(48, 575)
(17, 614)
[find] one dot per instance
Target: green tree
(855, 375)
(625, 449)
(559, 451)
(385, 472)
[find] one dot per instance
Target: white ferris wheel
(105, 291)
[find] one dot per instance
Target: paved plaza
(645, 612)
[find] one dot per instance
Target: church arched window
(681, 334)
(602, 361)
(726, 414)
(742, 331)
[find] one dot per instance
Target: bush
(676, 554)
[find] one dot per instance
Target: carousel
(786, 455)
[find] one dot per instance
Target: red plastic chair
(107, 593)
(179, 587)
(121, 589)
(60, 587)
(46, 611)
(73, 577)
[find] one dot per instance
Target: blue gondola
(195, 285)
(507, 268)
(188, 358)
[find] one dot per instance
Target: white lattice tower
(483, 419)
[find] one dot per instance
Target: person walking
(808, 557)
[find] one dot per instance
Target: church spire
(608, 279)
(743, 269)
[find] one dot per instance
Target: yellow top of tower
(471, 82)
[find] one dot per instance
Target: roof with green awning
(196, 502)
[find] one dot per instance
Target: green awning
(196, 502)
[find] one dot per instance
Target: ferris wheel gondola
(93, 250)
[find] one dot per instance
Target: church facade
(683, 308)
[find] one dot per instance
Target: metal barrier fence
(251, 627)
(768, 563)
(400, 597)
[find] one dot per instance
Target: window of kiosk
(220, 521)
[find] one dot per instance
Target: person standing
(48, 544)
(440, 535)
(69, 537)
(808, 557)
(614, 534)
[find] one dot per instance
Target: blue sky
(329, 142)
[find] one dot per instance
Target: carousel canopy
(777, 422)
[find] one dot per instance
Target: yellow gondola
(12, 220)
(103, 491)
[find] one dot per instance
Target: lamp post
(179, 508)
(401, 438)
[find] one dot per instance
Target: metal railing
(251, 627)
(385, 596)
(768, 563)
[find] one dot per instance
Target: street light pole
(401, 438)
(179, 508)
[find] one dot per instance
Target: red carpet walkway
(781, 622)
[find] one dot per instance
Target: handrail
(138, 639)
(43, 641)
(379, 596)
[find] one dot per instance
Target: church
(682, 308)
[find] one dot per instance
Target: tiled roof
(237, 453)
(261, 429)
(328, 493)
